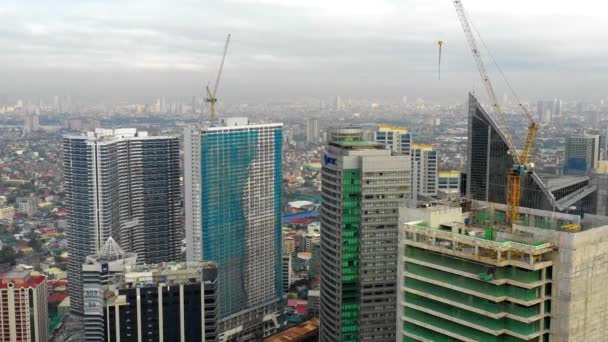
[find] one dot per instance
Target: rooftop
(21, 279)
(298, 333)
(358, 143)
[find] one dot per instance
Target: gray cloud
(297, 48)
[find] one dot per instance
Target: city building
(98, 272)
(125, 184)
(489, 165)
(27, 205)
(289, 245)
(582, 154)
(540, 110)
(599, 178)
(164, 302)
(313, 133)
(233, 204)
(287, 272)
(7, 213)
(423, 158)
(448, 183)
(557, 111)
(398, 139)
(31, 123)
(363, 186)
(23, 307)
(465, 276)
(424, 170)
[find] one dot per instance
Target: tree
(8, 255)
(34, 242)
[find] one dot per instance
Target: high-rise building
(312, 131)
(582, 154)
(423, 161)
(233, 203)
(398, 139)
(287, 271)
(363, 186)
(164, 302)
(98, 272)
(489, 165)
(23, 307)
(467, 277)
(557, 110)
(125, 184)
(424, 170)
(31, 123)
(540, 110)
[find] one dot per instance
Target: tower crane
(211, 96)
(521, 159)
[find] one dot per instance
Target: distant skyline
(120, 50)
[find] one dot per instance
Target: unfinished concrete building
(465, 276)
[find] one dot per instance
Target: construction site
(466, 275)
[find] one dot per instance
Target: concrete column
(160, 314)
(138, 302)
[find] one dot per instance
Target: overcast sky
(298, 48)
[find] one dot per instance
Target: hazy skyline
(290, 49)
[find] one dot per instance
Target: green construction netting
(471, 300)
(475, 285)
(474, 318)
(456, 328)
(510, 272)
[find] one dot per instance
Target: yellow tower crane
(521, 159)
(211, 98)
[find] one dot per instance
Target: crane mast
(521, 165)
(211, 95)
(484, 77)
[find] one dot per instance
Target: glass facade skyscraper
(363, 186)
(125, 184)
(233, 184)
(489, 163)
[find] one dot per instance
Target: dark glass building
(166, 302)
(489, 164)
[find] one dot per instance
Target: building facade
(23, 307)
(313, 133)
(424, 170)
(363, 185)
(164, 302)
(489, 164)
(448, 183)
(582, 154)
(398, 139)
(125, 184)
(538, 281)
(98, 272)
(233, 204)
(424, 159)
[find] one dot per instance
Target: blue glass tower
(233, 187)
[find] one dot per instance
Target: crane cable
(504, 77)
